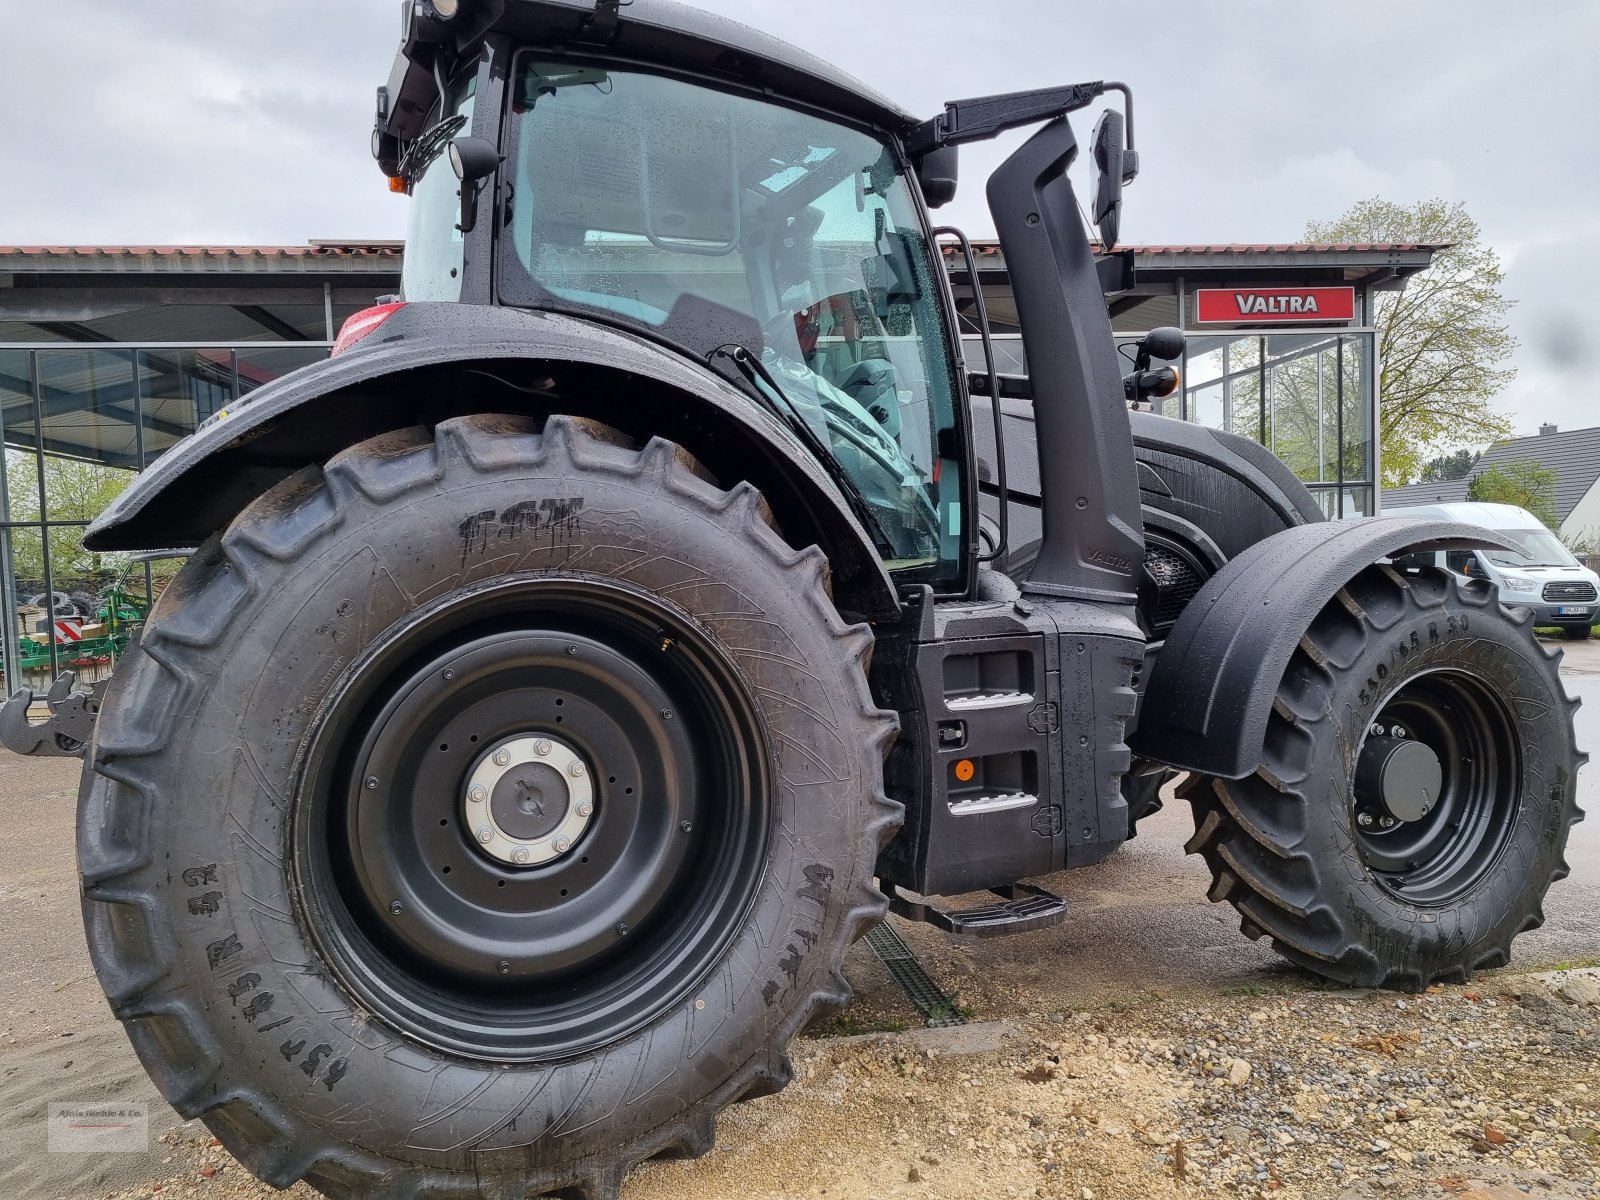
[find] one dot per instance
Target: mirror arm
(986, 117)
(471, 192)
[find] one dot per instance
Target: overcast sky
(220, 121)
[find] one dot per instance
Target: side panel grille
(1177, 579)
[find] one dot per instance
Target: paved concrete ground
(1141, 927)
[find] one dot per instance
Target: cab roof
(677, 35)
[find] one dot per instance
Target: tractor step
(1023, 908)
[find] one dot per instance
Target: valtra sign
(1240, 306)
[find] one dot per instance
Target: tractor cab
(784, 246)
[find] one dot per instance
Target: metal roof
(1574, 456)
(386, 256)
(313, 258)
(1352, 262)
(1414, 495)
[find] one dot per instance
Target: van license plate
(1566, 610)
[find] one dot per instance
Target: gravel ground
(1142, 1049)
(1490, 1090)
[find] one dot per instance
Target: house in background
(1573, 456)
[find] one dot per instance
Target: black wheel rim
(1437, 857)
(492, 960)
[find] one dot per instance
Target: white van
(1542, 575)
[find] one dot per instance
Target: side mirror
(1166, 344)
(939, 172)
(1115, 165)
(473, 159)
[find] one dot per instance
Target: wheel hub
(528, 801)
(1398, 778)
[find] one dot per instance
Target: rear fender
(432, 362)
(1211, 693)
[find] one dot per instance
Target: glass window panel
(1301, 418)
(88, 404)
(436, 250)
(16, 414)
(181, 388)
(31, 609)
(1328, 499)
(1223, 382)
(262, 366)
(1008, 354)
(1357, 393)
(78, 489)
(22, 485)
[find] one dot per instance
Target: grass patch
(849, 1025)
(1577, 964)
(954, 1007)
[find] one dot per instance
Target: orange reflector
(1176, 383)
(397, 184)
(965, 770)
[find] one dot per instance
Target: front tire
(482, 813)
(1577, 633)
(1415, 793)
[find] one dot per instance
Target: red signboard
(1250, 306)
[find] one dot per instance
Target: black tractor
(649, 599)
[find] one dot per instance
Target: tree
(1448, 467)
(1442, 341)
(1523, 483)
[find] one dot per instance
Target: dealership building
(109, 355)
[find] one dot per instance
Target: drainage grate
(904, 969)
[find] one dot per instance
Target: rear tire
(239, 849)
(1342, 887)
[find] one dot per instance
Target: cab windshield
(1536, 548)
(716, 220)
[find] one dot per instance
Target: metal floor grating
(937, 1008)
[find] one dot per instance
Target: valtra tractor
(651, 598)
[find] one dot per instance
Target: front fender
(431, 362)
(1212, 689)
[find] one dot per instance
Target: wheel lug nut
(521, 855)
(502, 757)
(505, 967)
(372, 782)
(687, 826)
(585, 809)
(542, 749)
(563, 844)
(486, 835)
(1364, 819)
(576, 769)
(395, 908)
(478, 794)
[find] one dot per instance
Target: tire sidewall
(314, 576)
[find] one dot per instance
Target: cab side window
(1463, 562)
